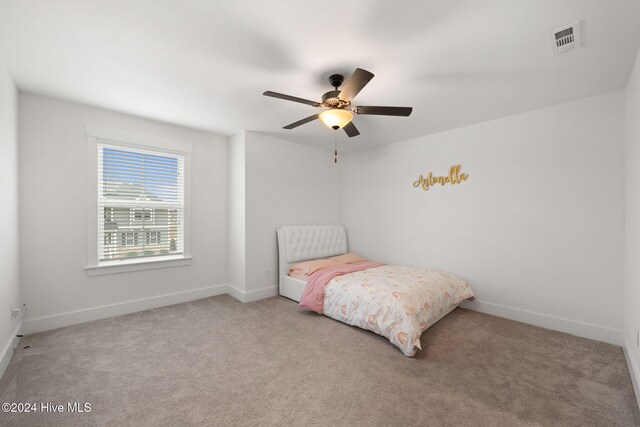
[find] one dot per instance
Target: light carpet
(220, 362)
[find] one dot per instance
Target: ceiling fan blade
(384, 111)
(351, 130)
(301, 122)
(291, 98)
(354, 85)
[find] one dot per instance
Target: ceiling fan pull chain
(335, 147)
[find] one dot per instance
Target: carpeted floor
(220, 362)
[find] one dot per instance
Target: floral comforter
(396, 302)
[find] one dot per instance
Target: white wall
(538, 228)
(632, 222)
(286, 183)
(9, 265)
(236, 214)
(52, 156)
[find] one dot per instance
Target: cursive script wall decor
(454, 177)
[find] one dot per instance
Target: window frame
(100, 134)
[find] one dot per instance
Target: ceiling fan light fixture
(336, 118)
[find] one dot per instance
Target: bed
(397, 302)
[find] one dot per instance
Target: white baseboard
(47, 323)
(7, 351)
(255, 295)
(236, 293)
(574, 327)
(262, 293)
(56, 321)
(634, 370)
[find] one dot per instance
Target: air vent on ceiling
(566, 39)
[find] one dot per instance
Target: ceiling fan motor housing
(331, 100)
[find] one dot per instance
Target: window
(140, 194)
(141, 214)
(154, 237)
(141, 202)
(127, 239)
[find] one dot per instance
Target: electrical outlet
(15, 312)
(267, 274)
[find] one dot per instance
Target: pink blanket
(313, 295)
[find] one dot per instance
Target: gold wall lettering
(454, 177)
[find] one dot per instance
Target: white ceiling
(205, 64)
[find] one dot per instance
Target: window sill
(113, 267)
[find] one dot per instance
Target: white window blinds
(140, 203)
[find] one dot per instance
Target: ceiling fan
(338, 112)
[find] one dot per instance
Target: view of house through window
(140, 203)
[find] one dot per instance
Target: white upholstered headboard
(302, 242)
